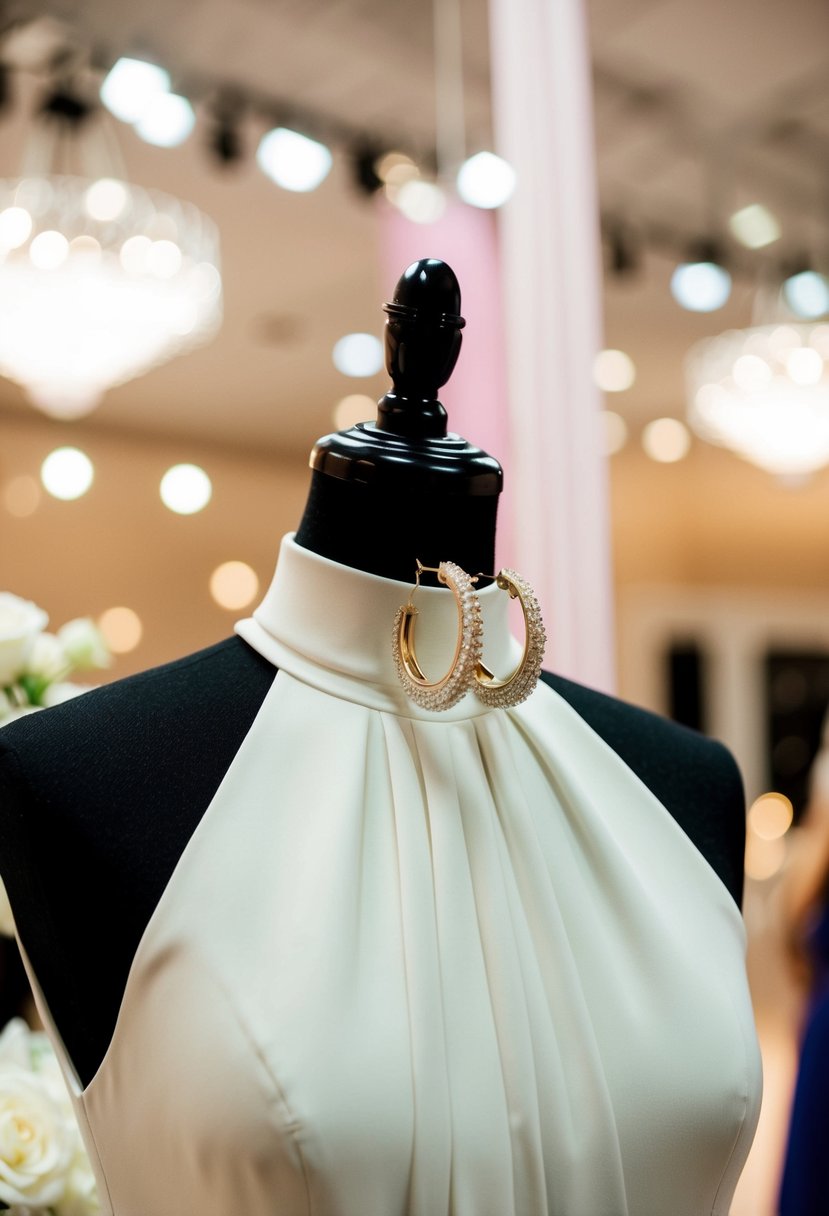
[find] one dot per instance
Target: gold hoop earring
(447, 691)
(501, 694)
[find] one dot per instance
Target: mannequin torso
(99, 797)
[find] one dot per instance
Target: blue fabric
(805, 1186)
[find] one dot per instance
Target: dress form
(99, 797)
(387, 492)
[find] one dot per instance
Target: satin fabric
(417, 964)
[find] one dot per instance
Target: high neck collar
(331, 626)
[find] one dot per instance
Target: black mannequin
(100, 796)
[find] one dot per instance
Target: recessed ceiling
(700, 107)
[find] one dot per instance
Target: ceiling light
(364, 160)
(613, 371)
(167, 121)
(422, 202)
(395, 168)
(485, 180)
(807, 294)
(763, 393)
(225, 138)
(78, 317)
(67, 473)
(666, 440)
(358, 355)
(293, 161)
(701, 286)
(130, 86)
(754, 226)
(185, 489)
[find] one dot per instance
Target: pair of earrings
(468, 670)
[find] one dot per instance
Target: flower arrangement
(43, 1165)
(34, 664)
(44, 1170)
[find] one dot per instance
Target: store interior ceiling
(700, 108)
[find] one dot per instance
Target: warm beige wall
(118, 545)
(714, 520)
(708, 520)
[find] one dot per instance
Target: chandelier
(100, 280)
(764, 393)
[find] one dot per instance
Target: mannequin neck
(383, 533)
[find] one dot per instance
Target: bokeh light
(21, 496)
(770, 816)
(234, 584)
(666, 440)
(186, 489)
(67, 473)
(122, 629)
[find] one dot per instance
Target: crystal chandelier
(100, 281)
(764, 393)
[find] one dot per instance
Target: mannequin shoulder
(641, 733)
(695, 778)
(184, 700)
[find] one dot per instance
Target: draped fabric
(417, 964)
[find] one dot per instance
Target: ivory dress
(417, 964)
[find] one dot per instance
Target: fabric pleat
(417, 964)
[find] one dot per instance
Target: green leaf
(34, 687)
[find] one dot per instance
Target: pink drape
(476, 396)
(551, 283)
(523, 388)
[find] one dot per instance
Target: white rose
(20, 623)
(47, 658)
(81, 1198)
(36, 1142)
(62, 691)
(15, 1044)
(84, 644)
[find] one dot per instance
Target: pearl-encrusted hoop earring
(446, 692)
(501, 694)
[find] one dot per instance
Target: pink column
(476, 396)
(551, 283)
